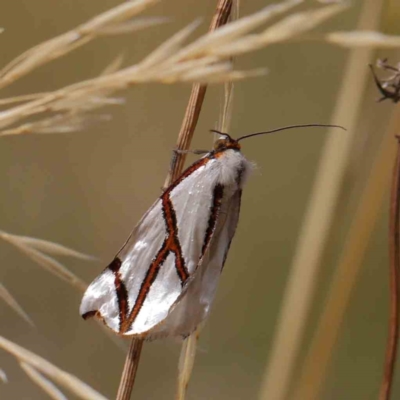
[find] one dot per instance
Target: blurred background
(88, 189)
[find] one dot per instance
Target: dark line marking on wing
(90, 314)
(148, 280)
(115, 265)
(120, 290)
(239, 178)
(189, 171)
(174, 244)
(122, 297)
(215, 207)
(229, 244)
(170, 244)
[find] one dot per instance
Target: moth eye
(219, 144)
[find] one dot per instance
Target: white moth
(163, 280)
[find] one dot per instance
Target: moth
(163, 280)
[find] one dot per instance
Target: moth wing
(194, 304)
(136, 292)
(107, 296)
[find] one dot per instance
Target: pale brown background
(86, 190)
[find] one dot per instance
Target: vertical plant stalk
(318, 219)
(185, 136)
(314, 369)
(394, 256)
(186, 362)
(195, 103)
(130, 369)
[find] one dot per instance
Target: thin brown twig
(394, 235)
(195, 102)
(185, 136)
(394, 252)
(130, 369)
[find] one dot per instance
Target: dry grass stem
(129, 371)
(364, 39)
(198, 92)
(64, 379)
(3, 375)
(44, 383)
(186, 363)
(317, 221)
(10, 300)
(188, 350)
(35, 248)
(346, 273)
(394, 253)
(225, 10)
(204, 60)
(189, 122)
(390, 88)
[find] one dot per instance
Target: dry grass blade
(115, 65)
(44, 260)
(21, 99)
(43, 382)
(63, 44)
(49, 247)
(10, 300)
(221, 75)
(132, 26)
(228, 33)
(291, 26)
(298, 23)
(186, 362)
(364, 39)
(59, 123)
(171, 45)
(64, 379)
(3, 376)
(204, 60)
(319, 216)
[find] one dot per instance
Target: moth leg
(178, 151)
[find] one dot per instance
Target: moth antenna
(290, 127)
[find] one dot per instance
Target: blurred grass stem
(394, 254)
(349, 266)
(319, 217)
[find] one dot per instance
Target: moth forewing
(195, 302)
(163, 280)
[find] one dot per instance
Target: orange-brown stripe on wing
(148, 280)
(120, 289)
(174, 244)
(215, 207)
(171, 244)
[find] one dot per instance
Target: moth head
(225, 142)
